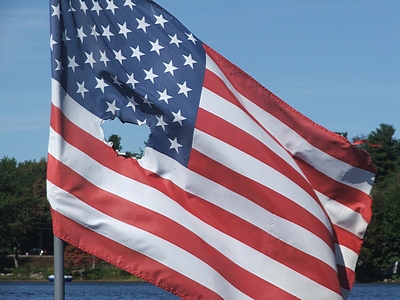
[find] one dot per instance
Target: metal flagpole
(59, 285)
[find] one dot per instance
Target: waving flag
(238, 196)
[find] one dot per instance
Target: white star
(131, 80)
(104, 58)
(111, 6)
(189, 60)
(59, 66)
(83, 6)
(150, 75)
(183, 89)
(160, 20)
(72, 64)
(132, 103)
(164, 96)
(140, 123)
(56, 11)
(147, 101)
(156, 47)
(119, 56)
(65, 38)
(52, 42)
(161, 122)
(191, 37)
(142, 24)
(175, 145)
(116, 81)
(101, 84)
(124, 30)
(107, 32)
(170, 68)
(96, 7)
(89, 59)
(94, 32)
(136, 52)
(81, 89)
(71, 9)
(178, 117)
(175, 40)
(81, 34)
(129, 3)
(112, 107)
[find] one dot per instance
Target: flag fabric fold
(238, 195)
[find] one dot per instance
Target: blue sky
(337, 62)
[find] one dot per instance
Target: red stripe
(347, 239)
(207, 212)
(131, 261)
(337, 146)
(346, 273)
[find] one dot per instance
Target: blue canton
(134, 61)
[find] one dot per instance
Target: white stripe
(345, 293)
(293, 142)
(75, 112)
(290, 233)
(349, 220)
(346, 257)
(142, 241)
(244, 256)
(344, 216)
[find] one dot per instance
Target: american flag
(238, 196)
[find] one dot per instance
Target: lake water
(133, 291)
(83, 291)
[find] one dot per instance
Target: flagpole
(59, 285)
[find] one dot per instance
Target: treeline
(381, 249)
(25, 220)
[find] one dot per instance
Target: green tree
(24, 212)
(40, 232)
(115, 140)
(390, 197)
(381, 244)
(8, 187)
(344, 133)
(386, 155)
